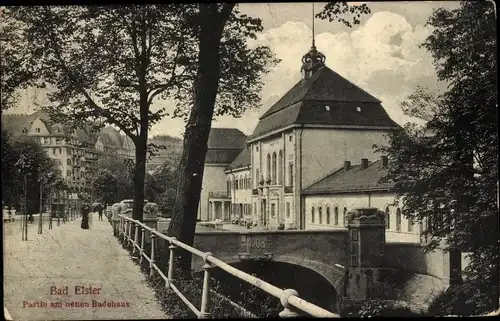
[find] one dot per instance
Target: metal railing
(129, 229)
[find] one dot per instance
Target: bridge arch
(299, 274)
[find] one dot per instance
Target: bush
(378, 308)
(465, 299)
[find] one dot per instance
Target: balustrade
(289, 298)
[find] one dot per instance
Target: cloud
(382, 56)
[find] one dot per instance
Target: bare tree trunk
(183, 223)
(139, 176)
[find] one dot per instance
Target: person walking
(85, 217)
(100, 209)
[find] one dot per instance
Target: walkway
(68, 256)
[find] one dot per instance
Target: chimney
(364, 163)
(347, 165)
(384, 161)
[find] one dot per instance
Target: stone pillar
(213, 211)
(223, 209)
(115, 210)
(150, 219)
(366, 227)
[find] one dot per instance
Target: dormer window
(37, 130)
(327, 108)
(358, 109)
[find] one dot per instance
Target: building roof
(352, 180)
(226, 138)
(224, 144)
(243, 159)
(221, 156)
(306, 103)
(110, 135)
(15, 123)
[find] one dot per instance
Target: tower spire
(313, 60)
(313, 42)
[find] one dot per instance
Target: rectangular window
(328, 215)
(257, 178)
(290, 174)
(69, 161)
(287, 209)
(37, 130)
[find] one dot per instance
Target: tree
(110, 63)
(163, 183)
(341, 11)
(112, 181)
(13, 149)
(447, 173)
(105, 186)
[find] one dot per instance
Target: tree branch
(78, 85)
(161, 88)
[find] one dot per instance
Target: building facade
(239, 187)
(328, 200)
(321, 122)
(75, 153)
(224, 145)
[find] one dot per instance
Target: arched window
(328, 215)
(274, 169)
(336, 216)
(398, 220)
(387, 218)
(268, 167)
(410, 224)
(320, 215)
(280, 168)
(312, 214)
(345, 216)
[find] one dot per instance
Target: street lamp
(25, 165)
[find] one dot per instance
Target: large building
(296, 172)
(75, 153)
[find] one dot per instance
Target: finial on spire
(314, 59)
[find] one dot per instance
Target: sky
(381, 55)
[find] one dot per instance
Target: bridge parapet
(326, 246)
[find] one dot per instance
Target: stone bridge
(321, 251)
(356, 261)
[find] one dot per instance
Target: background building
(75, 152)
(224, 144)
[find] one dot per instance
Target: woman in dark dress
(85, 217)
